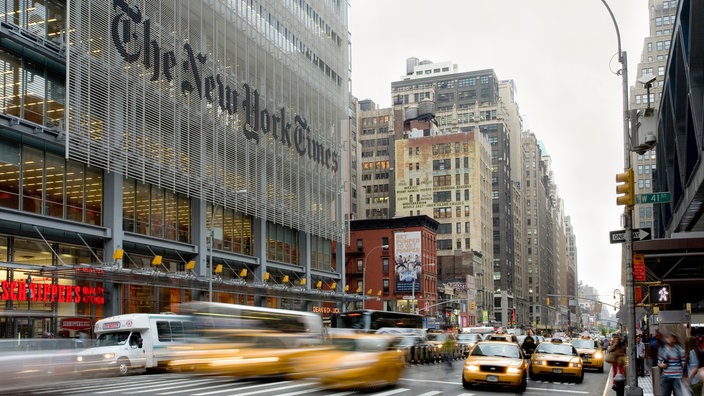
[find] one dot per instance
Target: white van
(133, 341)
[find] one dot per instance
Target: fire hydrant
(619, 384)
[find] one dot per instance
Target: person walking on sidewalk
(671, 359)
(694, 361)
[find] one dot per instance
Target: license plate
(557, 371)
(492, 378)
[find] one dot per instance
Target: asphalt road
(423, 380)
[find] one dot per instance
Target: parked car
(495, 363)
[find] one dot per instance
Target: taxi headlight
(79, 358)
(542, 362)
(472, 367)
(109, 355)
(513, 370)
(598, 355)
(574, 364)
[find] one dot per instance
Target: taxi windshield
(557, 349)
(112, 339)
(499, 350)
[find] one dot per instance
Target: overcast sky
(561, 54)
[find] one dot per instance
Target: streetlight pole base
(634, 391)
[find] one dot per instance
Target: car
(467, 340)
(505, 337)
(416, 349)
(495, 363)
(590, 352)
(353, 361)
(556, 359)
(437, 340)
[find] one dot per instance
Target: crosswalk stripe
(243, 388)
(180, 386)
(391, 392)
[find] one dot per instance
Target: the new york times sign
(129, 29)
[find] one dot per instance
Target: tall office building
(157, 152)
(471, 102)
(374, 169)
(652, 65)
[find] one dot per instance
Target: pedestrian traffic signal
(625, 188)
(659, 294)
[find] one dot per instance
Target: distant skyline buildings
(527, 254)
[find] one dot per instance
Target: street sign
(409, 298)
(638, 267)
(660, 197)
(637, 234)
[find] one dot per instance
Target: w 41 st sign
(637, 234)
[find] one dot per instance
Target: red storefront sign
(50, 292)
(75, 323)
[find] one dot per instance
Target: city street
(416, 381)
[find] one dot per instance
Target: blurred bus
(369, 320)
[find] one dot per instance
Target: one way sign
(637, 234)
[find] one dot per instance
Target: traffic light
(625, 189)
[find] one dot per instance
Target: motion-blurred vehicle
(590, 352)
(353, 361)
(239, 353)
(495, 363)
(33, 360)
(467, 340)
(246, 341)
(556, 359)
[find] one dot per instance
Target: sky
(562, 56)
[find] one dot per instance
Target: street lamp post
(632, 380)
(413, 288)
(364, 274)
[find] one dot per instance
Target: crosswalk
(212, 385)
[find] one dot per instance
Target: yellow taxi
(501, 336)
(555, 359)
(353, 361)
(591, 353)
(495, 363)
(242, 353)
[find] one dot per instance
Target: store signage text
(75, 323)
(326, 310)
(214, 87)
(51, 292)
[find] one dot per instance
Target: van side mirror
(140, 342)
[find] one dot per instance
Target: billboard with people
(407, 261)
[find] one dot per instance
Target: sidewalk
(645, 383)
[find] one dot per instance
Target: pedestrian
(529, 344)
(640, 356)
(693, 357)
(448, 348)
(671, 359)
(616, 355)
